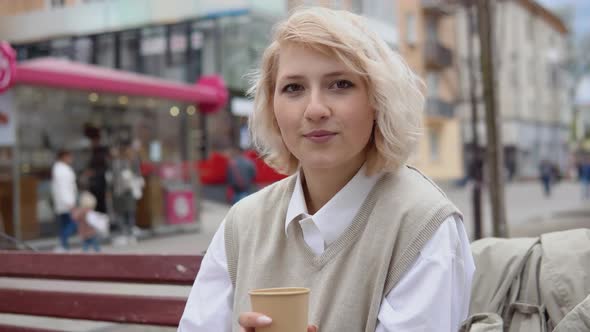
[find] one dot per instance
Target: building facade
(582, 116)
(428, 42)
(533, 87)
(174, 39)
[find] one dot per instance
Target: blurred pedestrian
(64, 192)
(585, 177)
(546, 176)
(379, 245)
(97, 168)
(89, 236)
(127, 188)
(241, 173)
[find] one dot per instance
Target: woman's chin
(319, 164)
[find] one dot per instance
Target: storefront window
(53, 119)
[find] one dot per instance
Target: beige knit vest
(351, 277)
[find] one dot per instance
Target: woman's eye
(292, 88)
(342, 84)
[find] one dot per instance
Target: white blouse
(432, 296)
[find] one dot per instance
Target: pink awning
(209, 94)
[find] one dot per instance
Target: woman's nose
(316, 109)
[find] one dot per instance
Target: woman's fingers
(249, 320)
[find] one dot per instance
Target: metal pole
(494, 143)
(16, 182)
(476, 162)
(188, 129)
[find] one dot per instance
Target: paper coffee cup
(287, 307)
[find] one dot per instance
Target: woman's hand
(251, 320)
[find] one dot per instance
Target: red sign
(3, 118)
(7, 65)
(180, 208)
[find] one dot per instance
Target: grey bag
(577, 320)
(530, 284)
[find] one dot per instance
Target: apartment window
(553, 76)
(62, 48)
(533, 72)
(153, 49)
(514, 77)
(411, 29)
(357, 6)
(472, 23)
(82, 50)
(432, 82)
(434, 140)
(516, 109)
(58, 3)
(130, 50)
(383, 10)
(531, 28)
(432, 29)
(105, 50)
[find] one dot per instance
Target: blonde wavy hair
(394, 90)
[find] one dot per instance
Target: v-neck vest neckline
(348, 236)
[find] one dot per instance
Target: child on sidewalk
(85, 230)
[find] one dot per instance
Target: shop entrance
(98, 129)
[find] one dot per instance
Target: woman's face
(322, 110)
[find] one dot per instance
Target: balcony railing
(437, 56)
(438, 107)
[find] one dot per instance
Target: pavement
(201, 232)
(529, 213)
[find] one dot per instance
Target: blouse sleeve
(434, 294)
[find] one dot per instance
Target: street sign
(7, 65)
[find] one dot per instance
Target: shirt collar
(297, 205)
(334, 217)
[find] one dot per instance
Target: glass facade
(176, 52)
(53, 119)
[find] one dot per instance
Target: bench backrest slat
(160, 269)
(11, 328)
(128, 309)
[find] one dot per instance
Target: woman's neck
(320, 185)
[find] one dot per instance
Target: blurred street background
(196, 55)
(161, 85)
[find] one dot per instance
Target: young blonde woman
(380, 246)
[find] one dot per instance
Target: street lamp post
(475, 168)
(494, 136)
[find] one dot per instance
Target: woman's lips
(320, 136)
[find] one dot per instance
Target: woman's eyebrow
(336, 73)
(291, 77)
(298, 77)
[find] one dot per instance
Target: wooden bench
(88, 305)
